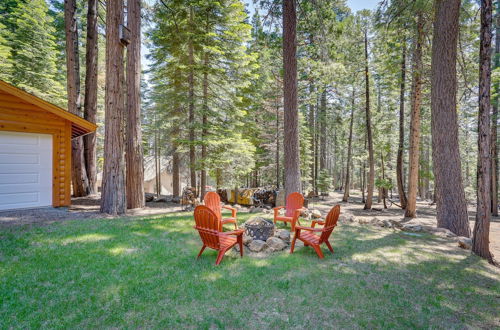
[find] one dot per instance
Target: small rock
(255, 209)
(465, 242)
(283, 234)
(316, 214)
(275, 243)
(257, 245)
(346, 218)
(247, 239)
(266, 211)
(411, 227)
(237, 206)
(386, 224)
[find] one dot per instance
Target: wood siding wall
(19, 116)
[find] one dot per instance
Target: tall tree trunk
(291, 138)
(481, 237)
(371, 160)
(192, 150)
(277, 137)
(322, 134)
(90, 101)
(175, 144)
(134, 154)
(175, 172)
(78, 173)
(494, 120)
(450, 196)
(204, 130)
(113, 199)
(399, 161)
(416, 101)
(345, 198)
(312, 132)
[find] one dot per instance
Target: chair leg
(292, 246)
(235, 226)
(240, 242)
(317, 248)
(329, 246)
(201, 251)
(220, 256)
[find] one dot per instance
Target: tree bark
(277, 156)
(345, 198)
(494, 120)
(399, 161)
(113, 198)
(204, 130)
(291, 120)
(192, 150)
(450, 196)
(481, 237)
(416, 101)
(322, 129)
(90, 101)
(78, 173)
(312, 132)
(371, 160)
(134, 154)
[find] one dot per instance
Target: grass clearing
(143, 273)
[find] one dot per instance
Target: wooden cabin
(35, 150)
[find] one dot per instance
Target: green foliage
(30, 44)
(324, 182)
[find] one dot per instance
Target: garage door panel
(25, 170)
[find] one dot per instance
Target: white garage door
(25, 170)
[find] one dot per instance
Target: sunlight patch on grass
(122, 250)
(87, 238)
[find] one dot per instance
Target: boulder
(275, 243)
(411, 227)
(316, 214)
(176, 200)
(255, 209)
(465, 242)
(346, 218)
(247, 239)
(257, 245)
(283, 234)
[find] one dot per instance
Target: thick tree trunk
(113, 198)
(175, 173)
(192, 150)
(134, 154)
(322, 134)
(277, 155)
(371, 160)
(416, 101)
(90, 101)
(450, 196)
(204, 130)
(78, 173)
(291, 128)
(481, 237)
(345, 198)
(494, 120)
(399, 161)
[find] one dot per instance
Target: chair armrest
(308, 229)
(236, 232)
(233, 210)
(319, 222)
(277, 210)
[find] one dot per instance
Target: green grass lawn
(143, 273)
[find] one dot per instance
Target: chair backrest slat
(294, 201)
(207, 225)
(330, 223)
(212, 201)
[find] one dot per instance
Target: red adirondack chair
(208, 225)
(308, 236)
(212, 201)
(294, 205)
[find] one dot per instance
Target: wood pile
(189, 199)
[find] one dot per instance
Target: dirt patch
(426, 214)
(81, 208)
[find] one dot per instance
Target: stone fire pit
(262, 238)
